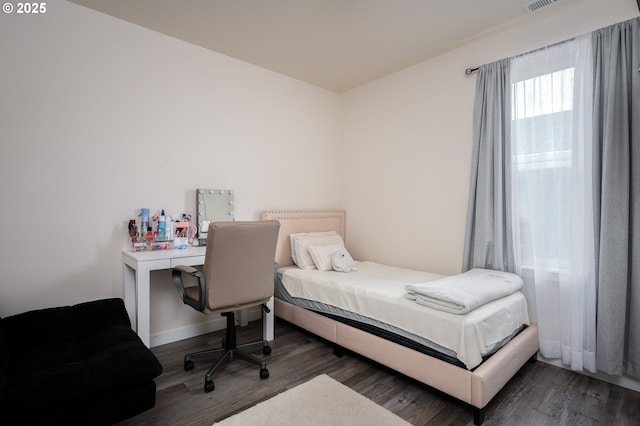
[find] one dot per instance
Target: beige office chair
(238, 273)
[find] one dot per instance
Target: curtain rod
(470, 71)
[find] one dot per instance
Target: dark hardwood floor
(540, 394)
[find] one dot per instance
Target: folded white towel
(459, 294)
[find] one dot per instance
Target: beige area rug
(321, 401)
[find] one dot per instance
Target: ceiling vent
(535, 5)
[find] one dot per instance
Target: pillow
(294, 237)
(303, 242)
(321, 255)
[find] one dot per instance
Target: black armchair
(80, 364)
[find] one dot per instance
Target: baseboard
(622, 381)
(181, 333)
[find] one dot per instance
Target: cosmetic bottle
(144, 222)
(162, 227)
(170, 231)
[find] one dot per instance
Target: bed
(471, 380)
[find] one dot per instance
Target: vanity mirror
(212, 205)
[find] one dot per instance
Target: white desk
(136, 270)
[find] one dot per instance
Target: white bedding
(378, 291)
(464, 292)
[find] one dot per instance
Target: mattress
(374, 295)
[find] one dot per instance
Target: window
(541, 140)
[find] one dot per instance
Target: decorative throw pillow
(295, 245)
(303, 242)
(321, 255)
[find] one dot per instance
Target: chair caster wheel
(264, 373)
(188, 365)
(266, 350)
(208, 386)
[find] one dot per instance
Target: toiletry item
(170, 231)
(144, 221)
(162, 227)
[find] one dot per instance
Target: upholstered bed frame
(476, 387)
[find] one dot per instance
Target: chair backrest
(239, 264)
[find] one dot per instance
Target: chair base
(228, 352)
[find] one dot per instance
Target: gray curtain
(616, 135)
(488, 241)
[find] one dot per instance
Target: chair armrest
(186, 269)
(176, 275)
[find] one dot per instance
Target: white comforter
(464, 292)
(378, 291)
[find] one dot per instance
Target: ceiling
(334, 44)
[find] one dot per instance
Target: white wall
(99, 117)
(407, 141)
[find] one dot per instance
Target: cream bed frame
(476, 388)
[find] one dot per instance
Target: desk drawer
(187, 261)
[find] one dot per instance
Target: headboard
(293, 221)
